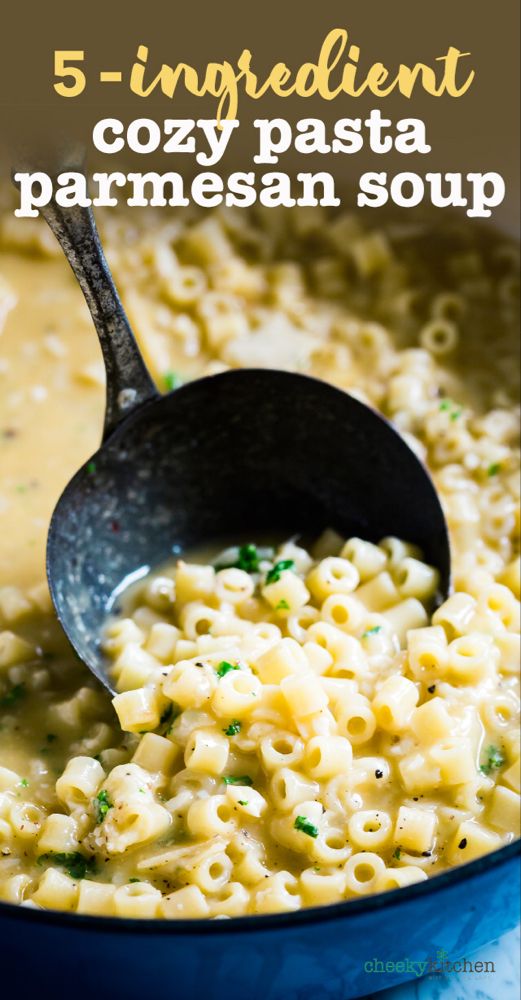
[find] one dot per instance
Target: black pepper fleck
(462, 843)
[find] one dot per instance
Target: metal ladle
(231, 455)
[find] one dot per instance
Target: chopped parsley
(233, 728)
(102, 804)
(397, 854)
(225, 667)
(274, 574)
(91, 468)
(306, 826)
(13, 695)
(242, 802)
(24, 783)
(493, 469)
(168, 717)
(451, 408)
(76, 865)
(282, 606)
(237, 779)
(495, 759)
(134, 880)
(172, 381)
(248, 558)
(372, 631)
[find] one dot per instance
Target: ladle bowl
(234, 455)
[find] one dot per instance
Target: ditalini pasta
(294, 725)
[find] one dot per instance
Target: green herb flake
(102, 804)
(132, 880)
(282, 606)
(306, 826)
(225, 667)
(242, 802)
(172, 381)
(249, 558)
(372, 631)
(451, 408)
(495, 760)
(51, 737)
(233, 728)
(12, 696)
(24, 783)
(275, 573)
(168, 718)
(76, 865)
(397, 854)
(91, 468)
(238, 779)
(494, 469)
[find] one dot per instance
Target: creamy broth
(50, 419)
(423, 326)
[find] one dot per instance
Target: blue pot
(332, 953)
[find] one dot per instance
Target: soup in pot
(295, 723)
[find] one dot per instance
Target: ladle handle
(128, 381)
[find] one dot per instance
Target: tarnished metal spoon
(237, 454)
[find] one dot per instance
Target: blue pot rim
(258, 922)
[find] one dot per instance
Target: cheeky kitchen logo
(440, 965)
